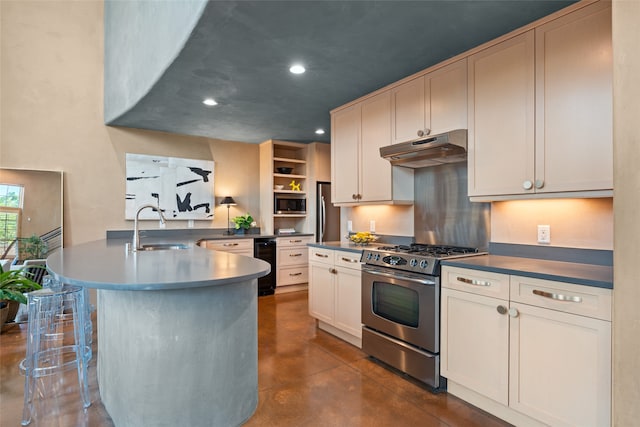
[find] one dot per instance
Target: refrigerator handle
(322, 218)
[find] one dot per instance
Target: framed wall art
(182, 188)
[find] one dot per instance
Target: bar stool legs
(48, 352)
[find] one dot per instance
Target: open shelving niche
(275, 154)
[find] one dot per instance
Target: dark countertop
(569, 272)
(106, 264)
(344, 246)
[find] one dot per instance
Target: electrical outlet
(544, 234)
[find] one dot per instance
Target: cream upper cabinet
(359, 174)
(574, 112)
(410, 110)
(430, 104)
(501, 117)
(540, 110)
(345, 154)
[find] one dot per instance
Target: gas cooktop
(417, 257)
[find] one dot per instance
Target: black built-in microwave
(289, 204)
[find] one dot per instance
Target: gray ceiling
(240, 51)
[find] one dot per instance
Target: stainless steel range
(401, 307)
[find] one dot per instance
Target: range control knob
(423, 263)
(369, 255)
(413, 262)
(377, 257)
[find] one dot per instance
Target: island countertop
(106, 264)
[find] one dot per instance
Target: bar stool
(49, 349)
(56, 285)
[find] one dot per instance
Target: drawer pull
(230, 244)
(350, 260)
(322, 255)
(295, 274)
(473, 282)
(295, 254)
(557, 297)
(295, 241)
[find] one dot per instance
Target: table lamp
(228, 201)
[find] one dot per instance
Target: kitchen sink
(163, 247)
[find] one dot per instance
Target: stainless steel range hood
(427, 151)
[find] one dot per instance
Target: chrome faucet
(135, 245)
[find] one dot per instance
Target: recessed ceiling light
(297, 69)
(320, 131)
(210, 102)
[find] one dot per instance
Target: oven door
(405, 306)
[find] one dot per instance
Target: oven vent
(433, 150)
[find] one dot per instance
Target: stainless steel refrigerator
(327, 215)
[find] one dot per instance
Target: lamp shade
(228, 200)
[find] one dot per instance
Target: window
(11, 198)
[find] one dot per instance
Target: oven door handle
(399, 276)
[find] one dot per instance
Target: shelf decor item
(228, 202)
(294, 186)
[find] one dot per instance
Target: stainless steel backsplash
(443, 212)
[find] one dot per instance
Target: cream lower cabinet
(291, 259)
(335, 292)
(236, 246)
(542, 356)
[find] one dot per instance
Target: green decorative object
(14, 283)
(243, 222)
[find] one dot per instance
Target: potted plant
(13, 285)
(243, 223)
(31, 248)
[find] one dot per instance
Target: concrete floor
(306, 377)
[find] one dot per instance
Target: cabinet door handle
(513, 312)
(295, 241)
(350, 260)
(473, 282)
(557, 297)
(295, 254)
(230, 244)
(333, 271)
(322, 255)
(527, 185)
(294, 274)
(539, 183)
(354, 196)
(502, 309)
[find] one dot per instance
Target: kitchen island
(177, 331)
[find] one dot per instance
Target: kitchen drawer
(347, 259)
(293, 275)
(231, 245)
(567, 297)
(294, 241)
(293, 256)
(322, 255)
(478, 282)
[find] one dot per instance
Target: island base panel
(179, 357)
